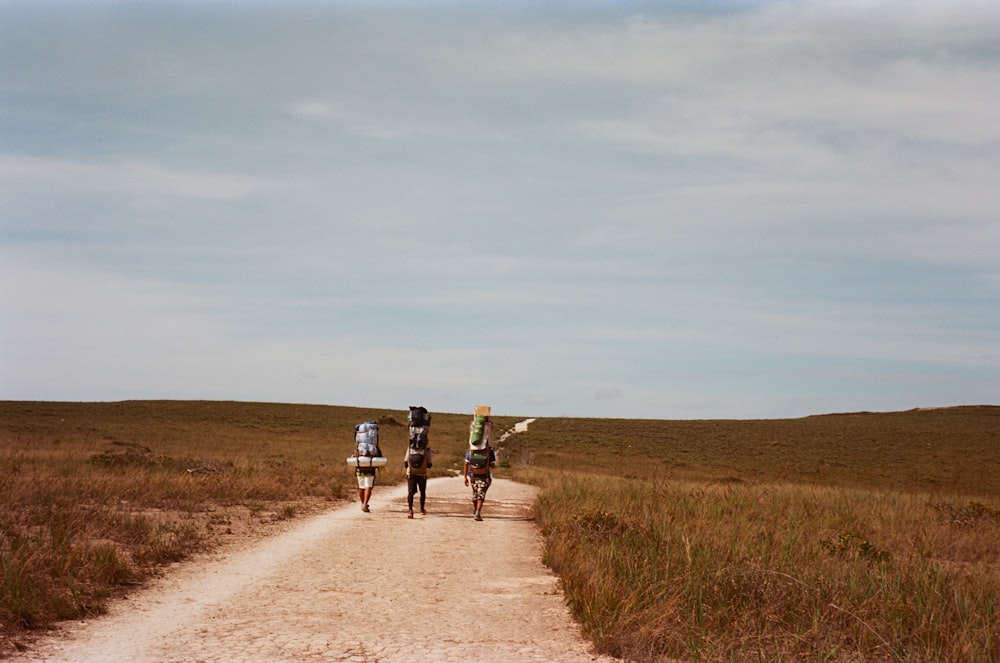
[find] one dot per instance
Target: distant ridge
(951, 408)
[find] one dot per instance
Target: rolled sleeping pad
(367, 461)
(480, 432)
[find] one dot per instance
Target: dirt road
(353, 586)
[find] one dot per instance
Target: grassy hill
(948, 449)
(846, 537)
(850, 537)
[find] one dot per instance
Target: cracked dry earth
(351, 586)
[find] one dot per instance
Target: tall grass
(735, 558)
(773, 572)
(855, 537)
(94, 497)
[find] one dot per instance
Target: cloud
(311, 109)
(608, 394)
(371, 124)
(76, 334)
(124, 176)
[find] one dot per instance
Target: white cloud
(311, 109)
(367, 124)
(124, 176)
(68, 333)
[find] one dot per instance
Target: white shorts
(366, 481)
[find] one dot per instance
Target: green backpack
(479, 461)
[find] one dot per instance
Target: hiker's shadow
(459, 509)
(486, 516)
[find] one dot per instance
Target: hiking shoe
(478, 517)
(409, 514)
(364, 507)
(423, 512)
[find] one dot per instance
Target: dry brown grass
(868, 537)
(855, 537)
(97, 496)
(921, 450)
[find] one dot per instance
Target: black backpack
(419, 416)
(418, 437)
(415, 459)
(420, 421)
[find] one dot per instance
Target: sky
(687, 210)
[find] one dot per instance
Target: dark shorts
(414, 483)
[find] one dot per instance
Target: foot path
(353, 586)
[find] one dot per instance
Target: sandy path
(350, 586)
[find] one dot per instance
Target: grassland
(920, 450)
(856, 537)
(851, 537)
(95, 497)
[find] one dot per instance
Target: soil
(345, 585)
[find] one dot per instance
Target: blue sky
(656, 210)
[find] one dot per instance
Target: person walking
(477, 473)
(480, 458)
(417, 462)
(367, 458)
(418, 457)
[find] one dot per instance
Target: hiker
(477, 471)
(418, 457)
(366, 438)
(417, 462)
(479, 458)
